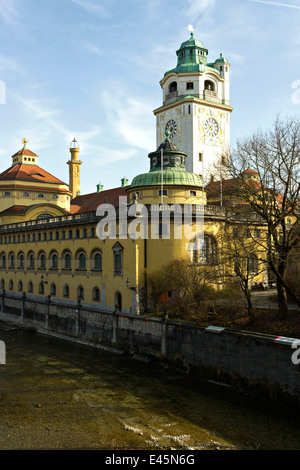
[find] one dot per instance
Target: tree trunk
(282, 301)
(282, 297)
(249, 306)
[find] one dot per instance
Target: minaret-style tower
(74, 168)
(196, 109)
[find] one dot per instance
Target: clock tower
(196, 110)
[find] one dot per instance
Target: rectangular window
(200, 157)
(193, 193)
(41, 195)
(26, 194)
(118, 259)
(118, 264)
(6, 193)
(256, 233)
(189, 86)
(54, 196)
(165, 192)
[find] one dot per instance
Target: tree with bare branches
(267, 166)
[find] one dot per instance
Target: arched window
(81, 261)
(30, 287)
(54, 261)
(21, 261)
(205, 251)
(66, 291)
(173, 87)
(3, 261)
(53, 289)
(2, 285)
(118, 259)
(67, 261)
(80, 293)
(11, 285)
(43, 216)
(20, 286)
(97, 261)
(118, 301)
(31, 261)
(41, 288)
(42, 261)
(12, 260)
(209, 85)
(96, 294)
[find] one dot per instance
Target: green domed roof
(192, 42)
(192, 57)
(171, 176)
(221, 59)
(174, 171)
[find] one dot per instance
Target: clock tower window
(189, 86)
(173, 87)
(209, 85)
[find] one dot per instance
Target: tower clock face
(171, 126)
(211, 127)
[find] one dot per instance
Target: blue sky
(90, 69)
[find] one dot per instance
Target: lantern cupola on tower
(74, 168)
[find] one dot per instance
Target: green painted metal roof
(192, 42)
(221, 59)
(192, 57)
(171, 176)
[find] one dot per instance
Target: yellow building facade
(98, 248)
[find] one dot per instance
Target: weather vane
(24, 142)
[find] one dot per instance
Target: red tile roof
(90, 202)
(25, 172)
(14, 210)
(26, 152)
(232, 186)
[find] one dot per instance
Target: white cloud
(91, 7)
(49, 125)
(107, 155)
(8, 12)
(92, 48)
(198, 7)
(277, 4)
(9, 64)
(130, 118)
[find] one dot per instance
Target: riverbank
(258, 364)
(62, 395)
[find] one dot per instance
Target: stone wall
(253, 362)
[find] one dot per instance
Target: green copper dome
(221, 59)
(191, 57)
(191, 43)
(173, 172)
(171, 176)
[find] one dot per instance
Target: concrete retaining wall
(256, 363)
